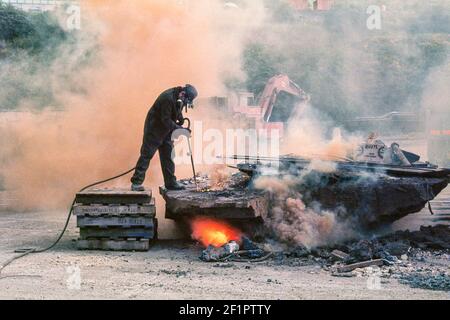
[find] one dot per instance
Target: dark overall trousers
(149, 147)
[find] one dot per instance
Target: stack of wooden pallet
(114, 219)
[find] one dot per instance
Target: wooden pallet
(113, 196)
(115, 210)
(114, 221)
(117, 233)
(114, 245)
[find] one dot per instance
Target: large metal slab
(287, 165)
(113, 196)
(108, 221)
(227, 204)
(115, 210)
(113, 245)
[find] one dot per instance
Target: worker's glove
(180, 122)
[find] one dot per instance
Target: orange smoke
(213, 232)
(144, 47)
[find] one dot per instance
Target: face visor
(191, 94)
(189, 104)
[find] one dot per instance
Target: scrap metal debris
(363, 264)
(212, 253)
(339, 255)
(230, 252)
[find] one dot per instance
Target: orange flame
(213, 232)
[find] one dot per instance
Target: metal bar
(193, 165)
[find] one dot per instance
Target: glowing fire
(213, 232)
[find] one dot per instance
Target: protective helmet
(191, 93)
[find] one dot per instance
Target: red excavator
(270, 111)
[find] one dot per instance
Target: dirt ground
(170, 270)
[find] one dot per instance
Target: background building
(37, 5)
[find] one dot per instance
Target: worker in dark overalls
(163, 117)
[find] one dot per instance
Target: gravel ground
(170, 270)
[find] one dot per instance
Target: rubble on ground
(435, 237)
(420, 258)
(428, 281)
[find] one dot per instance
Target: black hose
(429, 208)
(27, 251)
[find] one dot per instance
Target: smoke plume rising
(144, 47)
(294, 224)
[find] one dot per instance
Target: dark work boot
(137, 187)
(175, 186)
